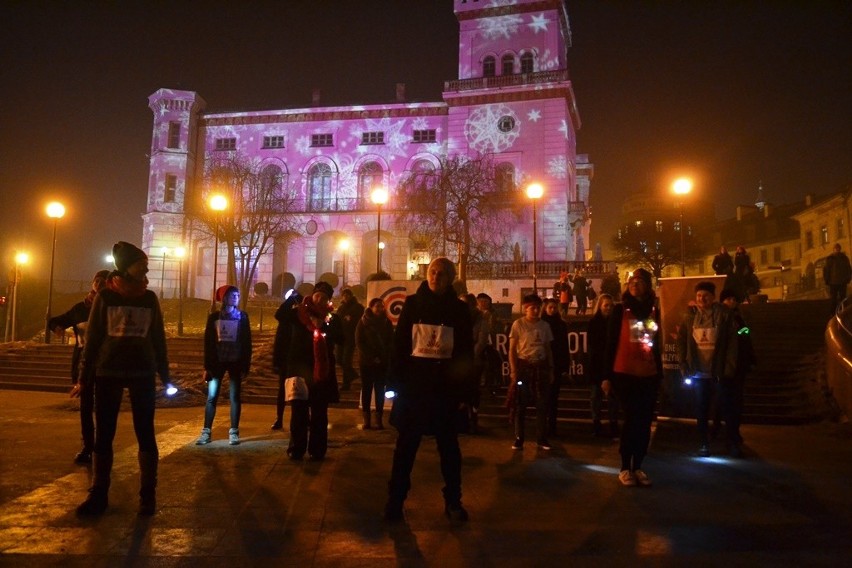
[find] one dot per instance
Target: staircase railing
(838, 360)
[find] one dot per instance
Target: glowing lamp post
(681, 187)
(379, 197)
(180, 252)
(165, 251)
(55, 211)
(21, 258)
(344, 247)
(217, 203)
(534, 192)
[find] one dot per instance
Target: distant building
(512, 100)
(823, 223)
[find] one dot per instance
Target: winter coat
(349, 313)
(642, 310)
(374, 339)
(597, 344)
(559, 346)
(723, 264)
(212, 362)
(724, 361)
(837, 271)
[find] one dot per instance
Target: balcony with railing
(498, 81)
(545, 269)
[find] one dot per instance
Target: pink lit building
(512, 99)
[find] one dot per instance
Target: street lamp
(20, 259)
(180, 252)
(55, 211)
(165, 251)
(534, 192)
(681, 187)
(379, 197)
(344, 246)
(218, 203)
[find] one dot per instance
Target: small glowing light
(379, 196)
(171, 390)
(520, 383)
(381, 244)
(390, 394)
(682, 186)
(344, 245)
(744, 331)
(289, 293)
(55, 210)
(218, 202)
(687, 381)
(109, 258)
(535, 190)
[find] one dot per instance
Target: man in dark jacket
(432, 373)
(349, 311)
(837, 274)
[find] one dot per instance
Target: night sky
(731, 92)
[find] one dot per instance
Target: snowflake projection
(303, 145)
(539, 23)
(419, 123)
(534, 115)
(565, 130)
(557, 167)
(396, 141)
(548, 61)
(500, 26)
(484, 133)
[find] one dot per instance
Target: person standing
(561, 356)
(723, 264)
(349, 312)
(432, 373)
(530, 371)
(730, 396)
(374, 338)
(562, 290)
(581, 292)
(742, 278)
(491, 364)
(125, 348)
(77, 318)
(707, 351)
(597, 331)
(837, 273)
(283, 316)
(308, 347)
(227, 349)
(633, 372)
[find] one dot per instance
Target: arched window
(370, 176)
(423, 172)
(508, 64)
(319, 187)
(527, 62)
(504, 177)
(489, 66)
(272, 183)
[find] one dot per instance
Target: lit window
(489, 67)
(643, 246)
(841, 229)
(823, 235)
(273, 141)
(659, 226)
(174, 135)
(424, 136)
(319, 187)
(527, 62)
(508, 64)
(171, 188)
(319, 140)
(226, 143)
(677, 226)
(372, 138)
(369, 176)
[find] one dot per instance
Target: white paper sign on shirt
(431, 341)
(226, 330)
(128, 321)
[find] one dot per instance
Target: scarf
(127, 287)
(309, 313)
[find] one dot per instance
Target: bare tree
(653, 245)
(260, 205)
(462, 205)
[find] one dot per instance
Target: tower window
(273, 141)
(226, 143)
(322, 140)
(372, 138)
(171, 189)
(527, 62)
(489, 67)
(174, 135)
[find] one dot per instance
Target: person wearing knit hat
(633, 370)
(530, 371)
(707, 351)
(76, 318)
(227, 349)
(125, 348)
(325, 288)
(125, 255)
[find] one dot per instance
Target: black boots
(366, 420)
(379, 424)
(148, 482)
(97, 501)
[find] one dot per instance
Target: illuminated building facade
(512, 100)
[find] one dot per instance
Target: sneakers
(518, 445)
(544, 445)
(234, 436)
(84, 456)
(627, 478)
(704, 451)
(456, 512)
(204, 438)
(642, 478)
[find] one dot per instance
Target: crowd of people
(437, 360)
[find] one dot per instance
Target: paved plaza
(787, 503)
